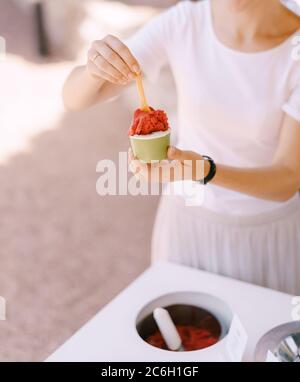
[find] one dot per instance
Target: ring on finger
(95, 57)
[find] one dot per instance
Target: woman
(238, 103)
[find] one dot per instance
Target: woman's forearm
(279, 181)
(82, 90)
(276, 182)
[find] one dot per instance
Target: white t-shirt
(230, 103)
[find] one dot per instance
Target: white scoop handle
(167, 328)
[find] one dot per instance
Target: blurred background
(64, 251)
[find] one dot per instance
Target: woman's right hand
(111, 60)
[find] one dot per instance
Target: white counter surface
(111, 335)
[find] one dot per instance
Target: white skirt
(263, 249)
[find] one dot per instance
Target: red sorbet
(193, 337)
(145, 122)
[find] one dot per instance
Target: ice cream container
(151, 147)
(280, 344)
(203, 320)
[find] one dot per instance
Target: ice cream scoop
(168, 329)
(198, 334)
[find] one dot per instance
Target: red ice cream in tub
(193, 337)
(197, 327)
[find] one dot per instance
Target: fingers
(158, 172)
(104, 66)
(164, 171)
(140, 170)
(176, 154)
(192, 164)
(95, 71)
(122, 50)
(182, 165)
(113, 59)
(143, 171)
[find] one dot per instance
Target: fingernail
(136, 69)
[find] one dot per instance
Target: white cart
(112, 335)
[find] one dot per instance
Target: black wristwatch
(212, 171)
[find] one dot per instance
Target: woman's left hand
(181, 165)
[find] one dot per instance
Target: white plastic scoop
(168, 329)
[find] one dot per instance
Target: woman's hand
(182, 165)
(110, 65)
(111, 60)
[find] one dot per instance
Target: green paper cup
(151, 147)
